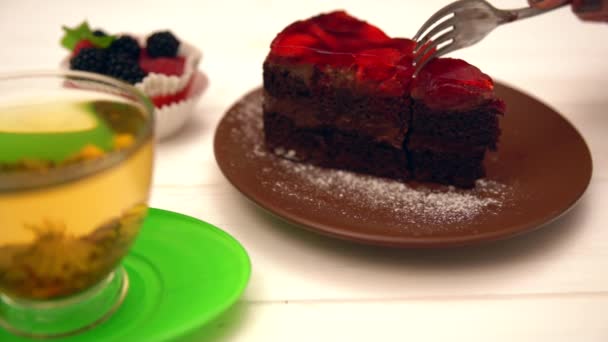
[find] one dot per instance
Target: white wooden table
(551, 285)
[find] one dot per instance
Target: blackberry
(125, 45)
(162, 44)
(99, 33)
(123, 67)
(90, 59)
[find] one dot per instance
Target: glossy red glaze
(447, 83)
(338, 40)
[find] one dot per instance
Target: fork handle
(527, 12)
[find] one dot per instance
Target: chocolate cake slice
(454, 121)
(340, 93)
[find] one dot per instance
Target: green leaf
(72, 36)
(102, 42)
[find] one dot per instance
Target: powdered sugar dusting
(423, 207)
(250, 126)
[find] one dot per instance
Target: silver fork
(464, 23)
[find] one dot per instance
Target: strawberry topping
(172, 66)
(451, 83)
(338, 40)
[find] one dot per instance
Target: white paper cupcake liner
(158, 84)
(172, 117)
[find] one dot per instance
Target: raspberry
(89, 59)
(162, 65)
(125, 45)
(162, 44)
(85, 43)
(125, 68)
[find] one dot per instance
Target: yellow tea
(74, 178)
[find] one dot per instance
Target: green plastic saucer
(183, 273)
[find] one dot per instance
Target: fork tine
(430, 22)
(445, 11)
(446, 49)
(442, 51)
(437, 29)
(434, 43)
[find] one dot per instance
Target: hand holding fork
(466, 22)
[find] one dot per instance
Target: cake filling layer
(384, 121)
(333, 148)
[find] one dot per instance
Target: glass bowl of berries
(159, 64)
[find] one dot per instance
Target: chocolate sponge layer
(327, 119)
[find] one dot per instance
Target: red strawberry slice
(172, 66)
(330, 41)
(373, 34)
(448, 82)
(406, 46)
(392, 87)
(85, 43)
(293, 45)
(377, 64)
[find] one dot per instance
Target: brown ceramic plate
(541, 169)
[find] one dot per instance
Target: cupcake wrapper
(158, 84)
(172, 117)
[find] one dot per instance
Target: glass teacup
(76, 154)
